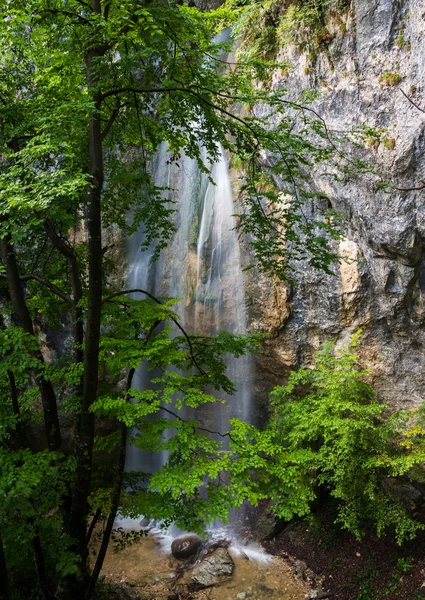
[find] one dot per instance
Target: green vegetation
(340, 438)
(88, 93)
(389, 143)
(268, 25)
(390, 79)
(364, 579)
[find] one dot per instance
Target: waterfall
(201, 266)
(143, 274)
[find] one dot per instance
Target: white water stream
(201, 266)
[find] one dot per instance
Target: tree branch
(115, 502)
(67, 13)
(153, 90)
(139, 291)
(108, 247)
(51, 286)
(411, 189)
(412, 102)
(113, 116)
(60, 243)
(179, 418)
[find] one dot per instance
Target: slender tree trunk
(4, 577)
(76, 587)
(93, 524)
(48, 397)
(40, 568)
(77, 289)
(115, 502)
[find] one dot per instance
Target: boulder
(267, 524)
(405, 491)
(212, 568)
(185, 546)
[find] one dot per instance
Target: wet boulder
(212, 568)
(185, 546)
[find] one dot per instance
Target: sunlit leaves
(330, 416)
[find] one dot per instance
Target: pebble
(243, 595)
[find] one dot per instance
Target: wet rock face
(379, 285)
(185, 546)
(207, 4)
(212, 568)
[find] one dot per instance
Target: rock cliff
(376, 52)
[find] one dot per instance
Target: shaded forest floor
(374, 569)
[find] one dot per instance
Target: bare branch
(153, 90)
(186, 90)
(179, 418)
(60, 243)
(113, 116)
(53, 288)
(67, 13)
(411, 189)
(108, 247)
(412, 102)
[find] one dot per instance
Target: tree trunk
(48, 397)
(40, 568)
(115, 502)
(4, 578)
(76, 587)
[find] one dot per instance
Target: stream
(148, 569)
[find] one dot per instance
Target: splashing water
(202, 266)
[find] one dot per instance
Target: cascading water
(143, 274)
(201, 266)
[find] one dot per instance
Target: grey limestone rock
(379, 285)
(213, 568)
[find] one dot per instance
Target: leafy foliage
(331, 416)
(89, 91)
(266, 26)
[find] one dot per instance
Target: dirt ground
(374, 569)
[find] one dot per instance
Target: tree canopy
(88, 91)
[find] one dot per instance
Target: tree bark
(115, 502)
(76, 295)
(4, 578)
(48, 397)
(76, 587)
(40, 568)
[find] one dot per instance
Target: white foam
(252, 551)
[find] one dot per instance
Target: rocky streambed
(146, 570)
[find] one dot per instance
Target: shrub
(332, 414)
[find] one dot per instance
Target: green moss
(236, 162)
(389, 143)
(390, 79)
